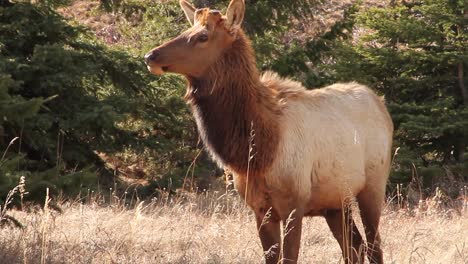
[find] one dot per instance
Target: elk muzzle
(151, 59)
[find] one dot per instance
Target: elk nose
(151, 56)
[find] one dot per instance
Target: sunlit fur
(318, 144)
(293, 152)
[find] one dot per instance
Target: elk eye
(202, 38)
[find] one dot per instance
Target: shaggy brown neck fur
(227, 102)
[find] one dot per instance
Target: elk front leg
(292, 227)
(268, 226)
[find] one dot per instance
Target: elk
(293, 152)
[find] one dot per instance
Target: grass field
(211, 229)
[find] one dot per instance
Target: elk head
(193, 51)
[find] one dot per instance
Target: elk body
(293, 152)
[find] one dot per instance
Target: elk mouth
(157, 69)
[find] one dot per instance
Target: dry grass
(209, 229)
(87, 13)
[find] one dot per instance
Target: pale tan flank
(293, 152)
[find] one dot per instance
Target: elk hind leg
(370, 204)
(347, 234)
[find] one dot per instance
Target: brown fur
(240, 117)
(230, 104)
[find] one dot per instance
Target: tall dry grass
(212, 228)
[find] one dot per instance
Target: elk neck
(236, 115)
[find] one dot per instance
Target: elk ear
(235, 14)
(189, 10)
